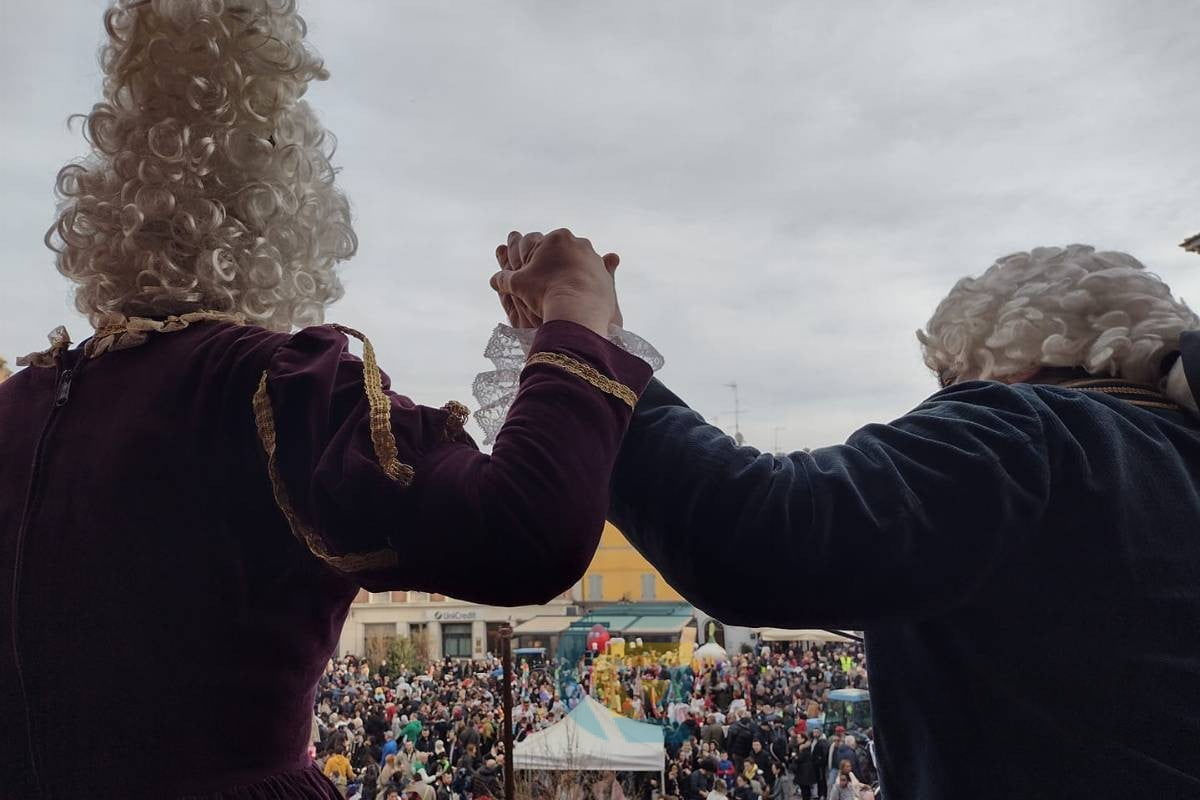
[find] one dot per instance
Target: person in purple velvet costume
(196, 449)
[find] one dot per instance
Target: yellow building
(4, 372)
(618, 572)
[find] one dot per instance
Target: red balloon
(598, 638)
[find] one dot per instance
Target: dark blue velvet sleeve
(902, 520)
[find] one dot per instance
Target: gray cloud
(792, 187)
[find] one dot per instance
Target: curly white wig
(210, 185)
(1057, 307)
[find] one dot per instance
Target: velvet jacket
(1024, 561)
(188, 507)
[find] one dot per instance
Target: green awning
(649, 626)
(543, 626)
(615, 624)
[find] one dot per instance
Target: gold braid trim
(1154, 404)
(457, 419)
(60, 340)
(264, 418)
(382, 436)
(588, 373)
(1145, 396)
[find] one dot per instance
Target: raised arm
(521, 525)
(395, 496)
(918, 512)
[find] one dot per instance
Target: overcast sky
(792, 186)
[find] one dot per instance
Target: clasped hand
(556, 276)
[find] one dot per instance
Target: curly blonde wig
(1057, 307)
(209, 185)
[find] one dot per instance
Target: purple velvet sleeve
(514, 527)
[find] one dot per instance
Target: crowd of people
(740, 730)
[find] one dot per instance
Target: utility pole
(737, 414)
(506, 698)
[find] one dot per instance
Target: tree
(405, 653)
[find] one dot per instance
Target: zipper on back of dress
(68, 366)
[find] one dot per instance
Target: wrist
(589, 314)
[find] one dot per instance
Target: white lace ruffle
(507, 350)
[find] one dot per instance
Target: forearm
(535, 507)
(889, 504)
(683, 490)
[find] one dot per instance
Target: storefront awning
(650, 626)
(543, 626)
(787, 635)
(615, 624)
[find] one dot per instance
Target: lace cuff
(508, 349)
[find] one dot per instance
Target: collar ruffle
(118, 332)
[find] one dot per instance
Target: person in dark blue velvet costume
(1025, 543)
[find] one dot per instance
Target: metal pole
(510, 766)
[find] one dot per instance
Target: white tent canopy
(593, 738)
(785, 635)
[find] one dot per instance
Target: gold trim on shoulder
(59, 340)
(121, 333)
(587, 373)
(1133, 393)
(382, 436)
(264, 418)
(457, 419)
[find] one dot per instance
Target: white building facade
(450, 628)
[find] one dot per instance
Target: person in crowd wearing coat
(390, 747)
(700, 782)
(801, 761)
(821, 748)
(713, 733)
(762, 759)
(488, 780)
(782, 787)
(408, 761)
(337, 768)
(740, 740)
(843, 790)
(370, 781)
(389, 770)
(742, 789)
(847, 751)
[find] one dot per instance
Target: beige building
(455, 629)
(448, 627)
(4, 370)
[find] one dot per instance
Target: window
(648, 590)
(456, 640)
(595, 587)
(380, 597)
(417, 631)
